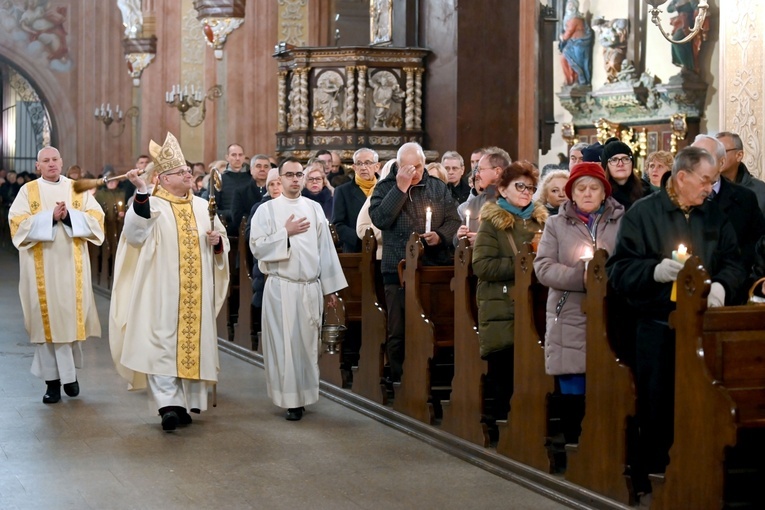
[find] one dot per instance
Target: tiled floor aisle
(105, 449)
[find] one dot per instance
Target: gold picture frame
(380, 22)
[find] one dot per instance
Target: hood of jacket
(504, 220)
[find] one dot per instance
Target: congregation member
(587, 221)
(50, 226)
(505, 226)
(735, 170)
(317, 187)
(739, 205)
(657, 164)
(350, 197)
(553, 190)
(292, 242)
(127, 186)
(436, 170)
(456, 180)
(251, 193)
(575, 155)
(234, 177)
(170, 281)
(363, 222)
(618, 163)
(398, 207)
(644, 268)
(273, 190)
(488, 170)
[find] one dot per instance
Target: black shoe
(72, 389)
(170, 421)
(295, 413)
(184, 418)
(53, 392)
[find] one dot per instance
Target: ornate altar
(348, 97)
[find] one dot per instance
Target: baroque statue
(612, 35)
(326, 102)
(575, 44)
(386, 97)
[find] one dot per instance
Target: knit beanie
(592, 153)
(587, 170)
(612, 149)
(273, 175)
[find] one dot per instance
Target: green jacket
(494, 265)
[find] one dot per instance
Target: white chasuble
(168, 289)
(55, 283)
(301, 270)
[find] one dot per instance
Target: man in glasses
(291, 240)
(488, 169)
(643, 269)
(735, 170)
(398, 207)
(738, 204)
(350, 197)
(456, 180)
(162, 326)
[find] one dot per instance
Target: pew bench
(719, 443)
(429, 338)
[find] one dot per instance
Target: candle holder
(698, 26)
(108, 116)
(184, 99)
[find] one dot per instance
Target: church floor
(105, 449)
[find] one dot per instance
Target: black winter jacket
(650, 230)
(398, 214)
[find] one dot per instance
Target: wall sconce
(181, 99)
(703, 7)
(107, 116)
(219, 18)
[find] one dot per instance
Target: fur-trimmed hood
(504, 220)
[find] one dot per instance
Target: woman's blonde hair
(547, 182)
(440, 170)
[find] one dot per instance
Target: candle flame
(681, 249)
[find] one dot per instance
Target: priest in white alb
(51, 225)
(291, 240)
(170, 281)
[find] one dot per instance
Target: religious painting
(38, 29)
(380, 22)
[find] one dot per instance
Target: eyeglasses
(292, 175)
(705, 181)
(314, 179)
(365, 164)
(620, 160)
(521, 187)
(182, 171)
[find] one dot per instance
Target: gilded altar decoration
(327, 98)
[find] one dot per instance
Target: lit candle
(467, 220)
(681, 254)
(428, 218)
(120, 207)
(587, 254)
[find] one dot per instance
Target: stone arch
(47, 85)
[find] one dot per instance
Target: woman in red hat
(588, 221)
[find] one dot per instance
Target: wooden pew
(463, 410)
(329, 364)
(369, 372)
(599, 461)
(719, 398)
(522, 438)
(429, 331)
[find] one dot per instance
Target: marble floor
(105, 449)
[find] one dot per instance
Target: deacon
(291, 240)
(170, 281)
(51, 225)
